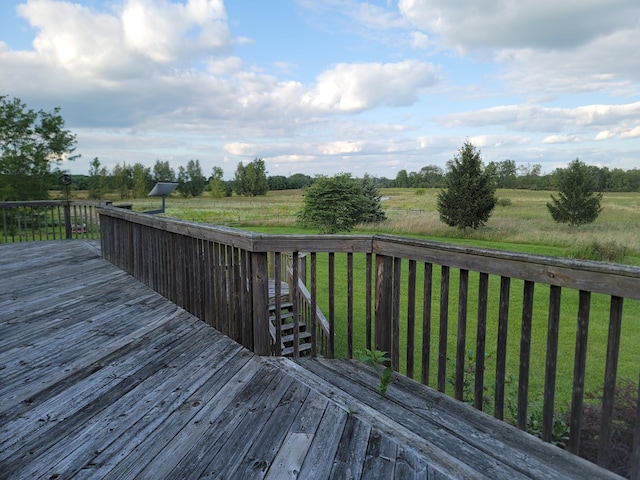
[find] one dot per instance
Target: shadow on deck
(100, 377)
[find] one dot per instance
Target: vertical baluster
(384, 303)
(481, 330)
(444, 321)
(295, 297)
(609, 389)
(277, 314)
(349, 305)
(314, 301)
(525, 354)
(332, 305)
(551, 362)
(427, 289)
(368, 301)
(461, 338)
(260, 291)
(579, 369)
(501, 353)
(411, 318)
(395, 316)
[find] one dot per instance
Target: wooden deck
(100, 377)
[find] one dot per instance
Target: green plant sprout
(376, 360)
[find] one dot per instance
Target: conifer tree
(373, 209)
(468, 198)
(578, 202)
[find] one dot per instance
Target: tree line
(33, 145)
(135, 181)
(507, 174)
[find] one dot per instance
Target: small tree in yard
(333, 204)
(373, 212)
(578, 202)
(468, 198)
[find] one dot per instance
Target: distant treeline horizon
(507, 175)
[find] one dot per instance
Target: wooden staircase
(284, 321)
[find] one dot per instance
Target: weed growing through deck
(376, 360)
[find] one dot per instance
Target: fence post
(384, 303)
(260, 279)
(67, 219)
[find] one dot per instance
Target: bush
(600, 252)
(420, 191)
(504, 202)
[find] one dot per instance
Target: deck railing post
(260, 279)
(67, 219)
(384, 303)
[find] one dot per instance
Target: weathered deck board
(100, 377)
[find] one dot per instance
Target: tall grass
(523, 225)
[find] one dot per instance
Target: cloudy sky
(329, 86)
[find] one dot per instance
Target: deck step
(286, 326)
(289, 326)
(304, 347)
(301, 336)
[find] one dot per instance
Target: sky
(331, 86)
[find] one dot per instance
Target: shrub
(599, 251)
(504, 202)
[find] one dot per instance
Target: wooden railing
(397, 295)
(48, 220)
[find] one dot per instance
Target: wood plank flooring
(100, 377)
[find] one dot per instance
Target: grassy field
(524, 225)
(521, 224)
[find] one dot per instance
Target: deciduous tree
(191, 181)
(30, 143)
(216, 184)
(162, 172)
(97, 180)
(251, 180)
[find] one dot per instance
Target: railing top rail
(48, 203)
(599, 277)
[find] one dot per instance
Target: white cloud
(110, 45)
(633, 133)
(361, 86)
(544, 119)
(167, 32)
(341, 147)
(526, 23)
(419, 40)
(542, 45)
(550, 139)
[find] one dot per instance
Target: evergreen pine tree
(373, 209)
(468, 198)
(578, 202)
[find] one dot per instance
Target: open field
(524, 225)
